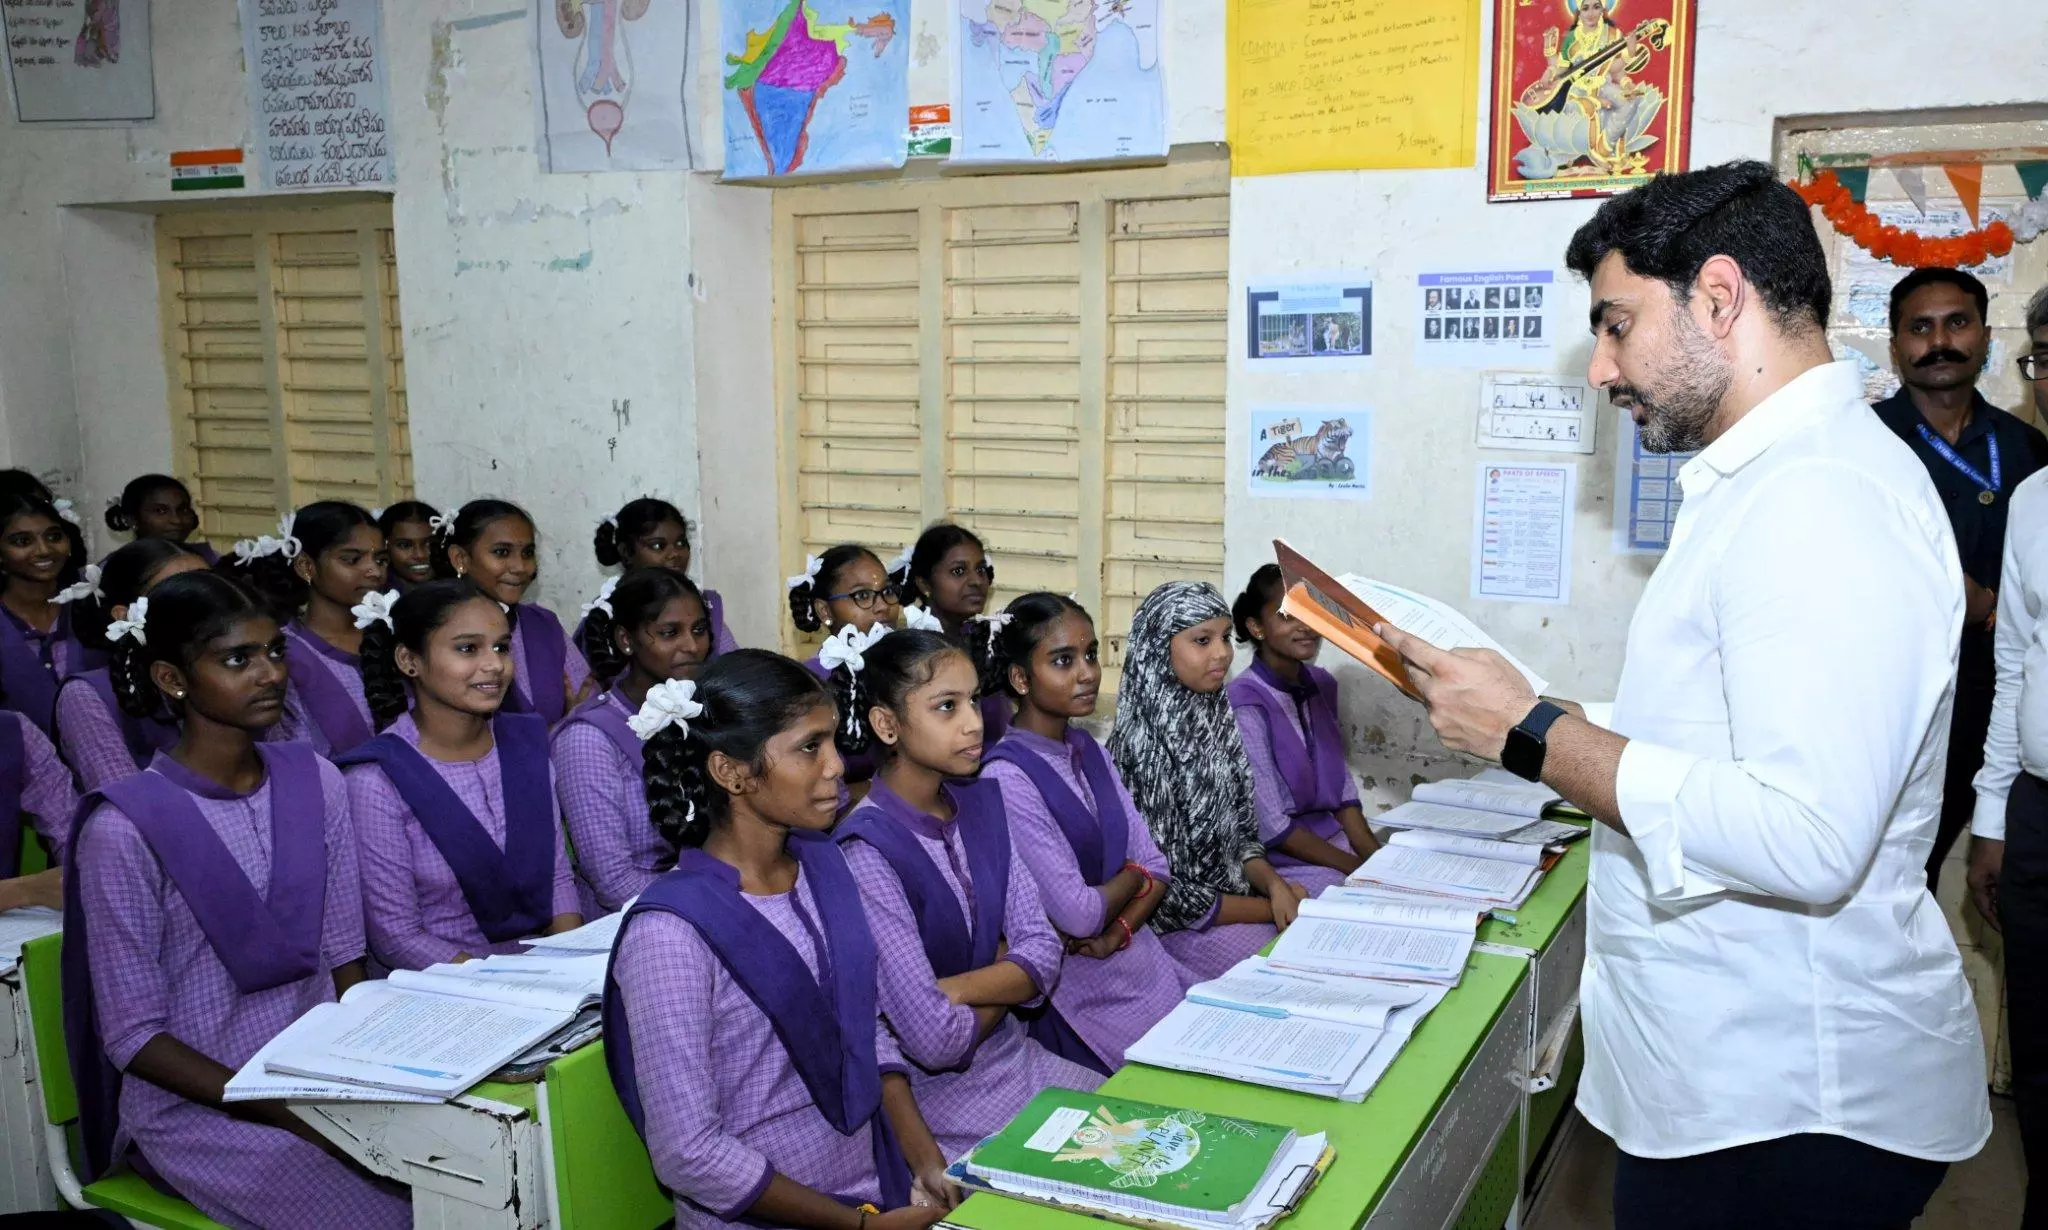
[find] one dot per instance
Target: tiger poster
(1590, 97)
(1310, 452)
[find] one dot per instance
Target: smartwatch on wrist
(1522, 754)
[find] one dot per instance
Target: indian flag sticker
(206, 170)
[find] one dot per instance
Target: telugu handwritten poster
(1589, 98)
(1339, 85)
(317, 79)
(75, 61)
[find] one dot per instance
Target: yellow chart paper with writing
(1339, 85)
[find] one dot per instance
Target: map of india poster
(814, 87)
(1038, 81)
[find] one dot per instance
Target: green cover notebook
(1138, 1156)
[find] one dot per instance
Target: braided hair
(895, 666)
(749, 697)
(471, 520)
(1263, 590)
(126, 575)
(1012, 643)
(638, 600)
(319, 528)
(618, 534)
(184, 613)
(414, 617)
(803, 611)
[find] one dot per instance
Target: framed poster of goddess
(1590, 97)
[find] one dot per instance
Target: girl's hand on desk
(911, 1218)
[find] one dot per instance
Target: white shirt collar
(1809, 393)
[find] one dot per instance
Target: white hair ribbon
(999, 620)
(917, 619)
(670, 703)
(87, 586)
(376, 514)
(848, 648)
(249, 550)
(138, 614)
(439, 525)
(375, 608)
(812, 566)
(902, 561)
(63, 508)
(603, 601)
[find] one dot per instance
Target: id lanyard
(1989, 494)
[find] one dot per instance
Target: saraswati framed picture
(1590, 97)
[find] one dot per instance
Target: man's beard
(1679, 409)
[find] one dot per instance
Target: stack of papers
(1489, 879)
(1403, 941)
(1514, 826)
(1332, 1036)
(1145, 1164)
(424, 1035)
(18, 927)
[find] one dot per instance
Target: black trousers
(1805, 1182)
(1976, 684)
(2023, 913)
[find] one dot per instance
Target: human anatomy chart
(612, 84)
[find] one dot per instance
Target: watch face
(1522, 755)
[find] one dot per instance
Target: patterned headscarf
(1180, 756)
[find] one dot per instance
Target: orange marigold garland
(1853, 219)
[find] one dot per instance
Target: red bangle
(1145, 888)
(1127, 934)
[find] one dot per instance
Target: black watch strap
(1523, 753)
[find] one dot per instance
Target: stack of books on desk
(423, 1036)
(1144, 1164)
(1330, 1035)
(1486, 873)
(1504, 810)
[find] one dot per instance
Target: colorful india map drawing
(1058, 81)
(814, 87)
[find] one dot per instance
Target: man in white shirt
(1778, 1032)
(2009, 833)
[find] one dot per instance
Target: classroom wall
(548, 319)
(1756, 61)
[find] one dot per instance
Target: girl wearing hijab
(1177, 748)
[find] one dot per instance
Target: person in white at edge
(1778, 1032)
(2009, 833)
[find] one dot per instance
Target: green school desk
(1443, 1141)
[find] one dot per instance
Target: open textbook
(1344, 610)
(592, 937)
(1399, 941)
(433, 1032)
(1419, 816)
(1256, 985)
(18, 927)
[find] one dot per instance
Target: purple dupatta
(327, 702)
(884, 821)
(825, 1023)
(547, 655)
(264, 942)
(1313, 769)
(510, 891)
(1099, 838)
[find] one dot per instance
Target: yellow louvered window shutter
(1040, 358)
(287, 371)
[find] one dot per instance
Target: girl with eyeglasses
(847, 587)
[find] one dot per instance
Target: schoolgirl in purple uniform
(846, 587)
(158, 506)
(491, 542)
(1286, 707)
(1098, 873)
(325, 560)
(454, 802)
(99, 735)
(741, 1026)
(408, 528)
(645, 628)
(950, 577)
(210, 901)
(652, 533)
(38, 650)
(962, 936)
